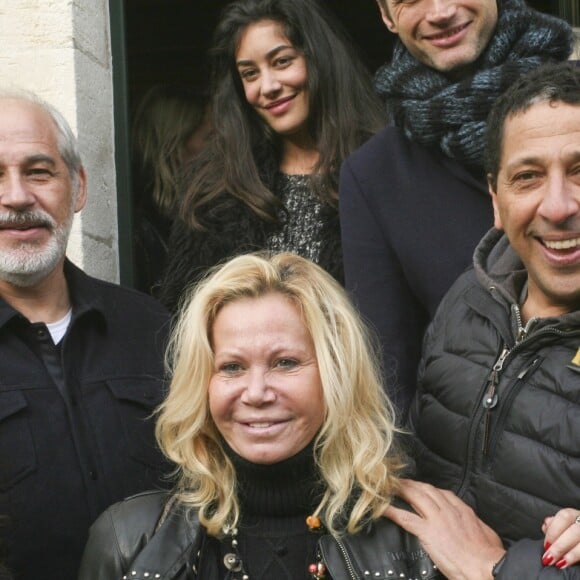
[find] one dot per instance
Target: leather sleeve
(102, 558)
(119, 534)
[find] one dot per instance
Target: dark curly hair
(550, 83)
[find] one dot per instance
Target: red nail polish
(547, 559)
(546, 546)
(561, 563)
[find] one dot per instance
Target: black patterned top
(301, 230)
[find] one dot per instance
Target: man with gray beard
(81, 360)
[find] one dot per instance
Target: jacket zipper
(346, 557)
(490, 397)
(521, 338)
(512, 392)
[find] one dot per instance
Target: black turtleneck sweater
(273, 539)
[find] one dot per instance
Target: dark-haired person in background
(413, 200)
(170, 128)
(290, 100)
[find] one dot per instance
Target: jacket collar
(84, 297)
(498, 266)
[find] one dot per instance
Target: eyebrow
(269, 54)
(573, 157)
(40, 158)
(529, 160)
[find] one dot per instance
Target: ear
(81, 198)
(386, 17)
(496, 215)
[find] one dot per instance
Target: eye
(286, 363)
(284, 60)
(230, 368)
(39, 173)
(248, 74)
(526, 176)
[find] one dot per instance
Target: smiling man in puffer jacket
(497, 414)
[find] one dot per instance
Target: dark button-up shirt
(76, 432)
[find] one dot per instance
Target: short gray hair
(66, 140)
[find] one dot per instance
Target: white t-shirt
(58, 329)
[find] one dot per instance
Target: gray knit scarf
(437, 111)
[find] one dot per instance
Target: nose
(270, 84)
(561, 200)
(258, 389)
(440, 11)
(14, 192)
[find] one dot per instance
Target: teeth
(562, 244)
(447, 33)
(261, 425)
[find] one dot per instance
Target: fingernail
(547, 559)
(546, 546)
(561, 563)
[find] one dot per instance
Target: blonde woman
(282, 438)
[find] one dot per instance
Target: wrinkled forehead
(24, 124)
(22, 117)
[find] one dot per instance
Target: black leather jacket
(127, 542)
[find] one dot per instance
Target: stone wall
(576, 53)
(60, 49)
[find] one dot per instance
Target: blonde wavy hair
(354, 449)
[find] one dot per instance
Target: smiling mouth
(278, 102)
(447, 33)
(263, 424)
(571, 243)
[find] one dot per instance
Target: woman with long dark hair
(290, 100)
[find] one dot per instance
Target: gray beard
(27, 263)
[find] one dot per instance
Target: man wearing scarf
(413, 200)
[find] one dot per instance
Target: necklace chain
(235, 565)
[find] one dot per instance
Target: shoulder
(379, 146)
(132, 519)
(389, 161)
(384, 546)
(129, 297)
(115, 299)
(119, 534)
(137, 512)
(391, 144)
(451, 312)
(466, 282)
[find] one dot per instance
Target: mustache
(27, 218)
